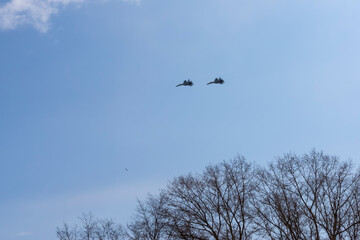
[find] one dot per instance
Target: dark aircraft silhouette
(185, 83)
(217, 81)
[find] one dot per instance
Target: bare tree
(337, 200)
(313, 196)
(308, 197)
(353, 216)
(67, 233)
(107, 229)
(149, 221)
(277, 206)
(89, 226)
(92, 229)
(213, 205)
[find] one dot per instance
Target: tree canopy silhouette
(312, 196)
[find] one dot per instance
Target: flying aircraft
(217, 81)
(185, 83)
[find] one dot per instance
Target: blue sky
(88, 89)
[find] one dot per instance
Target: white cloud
(34, 12)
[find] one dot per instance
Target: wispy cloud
(36, 217)
(107, 195)
(132, 1)
(23, 234)
(33, 12)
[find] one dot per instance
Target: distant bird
(126, 169)
(185, 83)
(217, 81)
